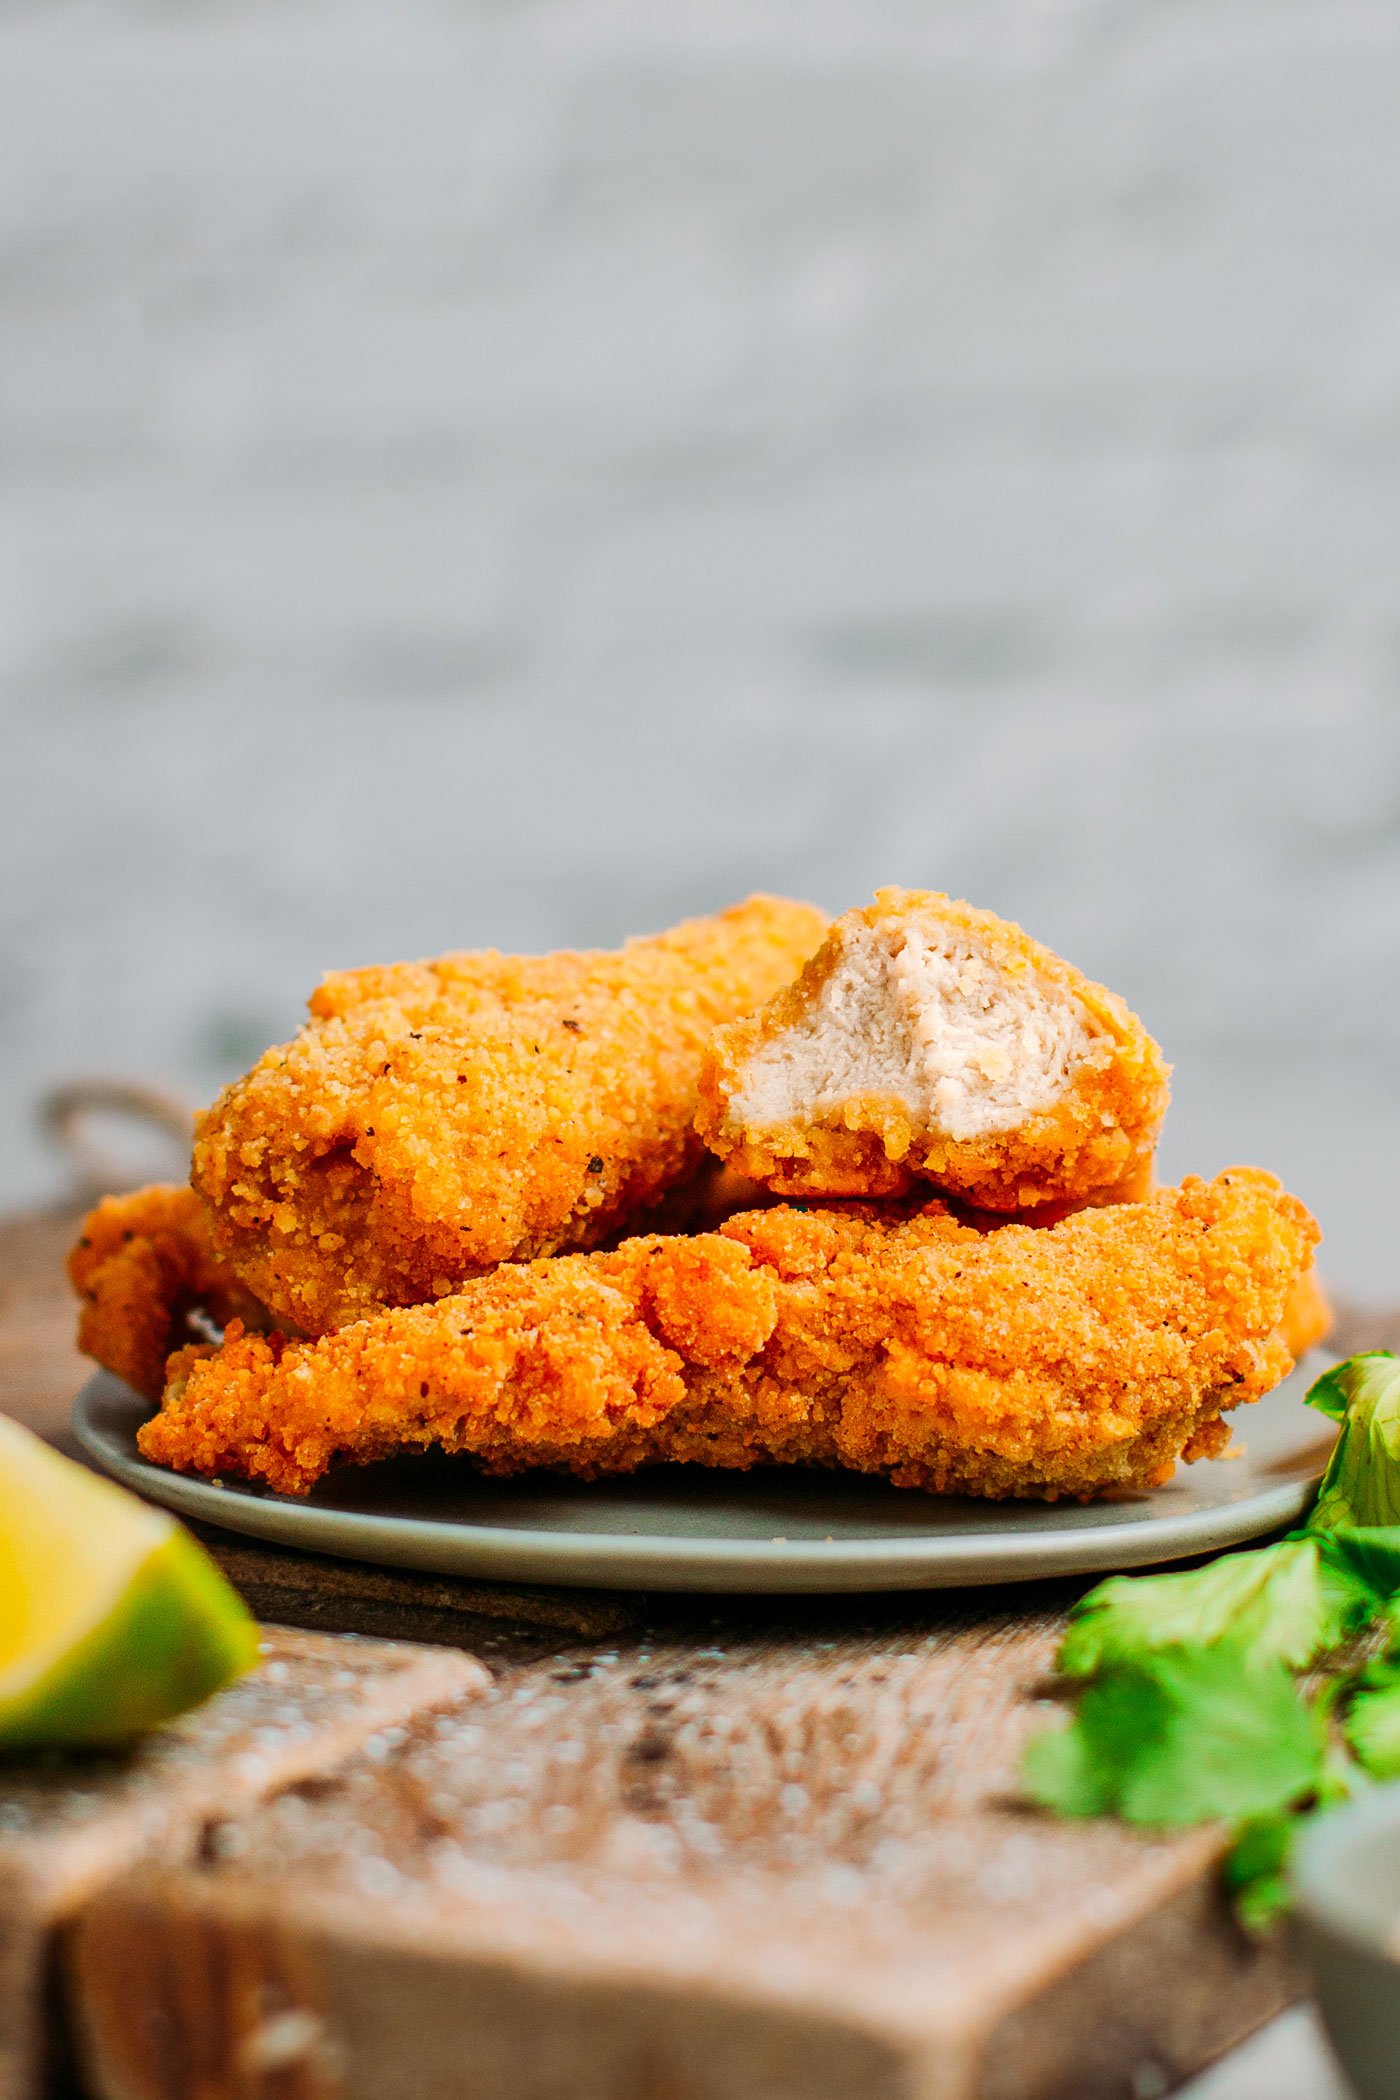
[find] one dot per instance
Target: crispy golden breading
(140, 1264)
(1134, 1188)
(145, 1261)
(927, 1041)
(433, 1119)
(1049, 1361)
(1307, 1317)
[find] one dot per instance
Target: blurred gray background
(486, 473)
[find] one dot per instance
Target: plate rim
(656, 1561)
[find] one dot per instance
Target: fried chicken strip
(928, 1041)
(433, 1119)
(1025, 1361)
(141, 1264)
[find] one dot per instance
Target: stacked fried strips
(1082, 1344)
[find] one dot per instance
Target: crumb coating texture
(1097, 1138)
(1027, 1361)
(139, 1264)
(1307, 1317)
(433, 1119)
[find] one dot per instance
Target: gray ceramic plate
(685, 1528)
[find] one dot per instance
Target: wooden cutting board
(719, 1860)
(72, 1827)
(696, 1853)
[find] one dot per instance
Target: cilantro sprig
(1227, 1693)
(1181, 1736)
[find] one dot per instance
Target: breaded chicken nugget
(433, 1119)
(927, 1041)
(1025, 1361)
(141, 1264)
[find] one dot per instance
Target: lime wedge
(112, 1619)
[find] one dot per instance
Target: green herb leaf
(1186, 1710)
(1372, 1724)
(1368, 1555)
(1256, 1868)
(1061, 1770)
(1183, 1735)
(1361, 1486)
(1288, 1602)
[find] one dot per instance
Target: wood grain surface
(722, 1860)
(768, 1849)
(72, 1825)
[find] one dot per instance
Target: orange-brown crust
(1135, 1187)
(1050, 1361)
(1101, 1134)
(140, 1264)
(1307, 1317)
(434, 1119)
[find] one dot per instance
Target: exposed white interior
(934, 1026)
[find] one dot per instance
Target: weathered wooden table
(565, 1846)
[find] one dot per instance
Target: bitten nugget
(141, 1264)
(433, 1119)
(927, 1041)
(1027, 1361)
